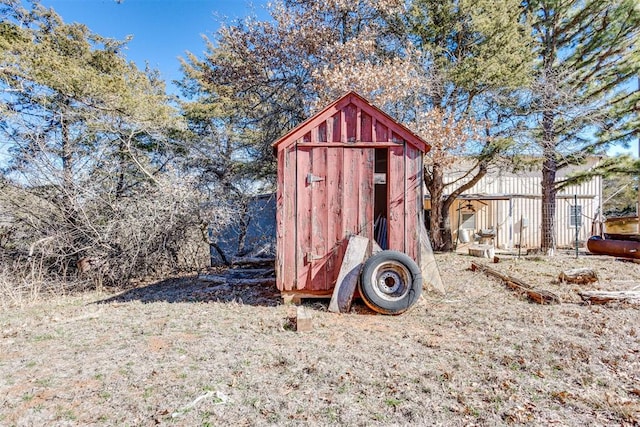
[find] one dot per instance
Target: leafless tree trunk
(435, 185)
(549, 170)
(440, 222)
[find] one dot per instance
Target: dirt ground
(179, 352)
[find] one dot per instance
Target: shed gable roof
(350, 119)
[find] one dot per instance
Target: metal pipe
(619, 248)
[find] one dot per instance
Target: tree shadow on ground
(190, 289)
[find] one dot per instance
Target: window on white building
(468, 220)
(575, 215)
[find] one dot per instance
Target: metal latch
(311, 178)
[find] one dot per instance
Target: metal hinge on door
(311, 178)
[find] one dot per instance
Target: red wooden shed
(349, 169)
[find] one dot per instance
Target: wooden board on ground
(482, 251)
(603, 297)
(535, 295)
(348, 276)
(578, 275)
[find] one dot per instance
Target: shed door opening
(381, 197)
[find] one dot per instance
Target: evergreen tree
(477, 56)
(90, 141)
(584, 94)
(70, 96)
(444, 69)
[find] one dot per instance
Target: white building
(510, 203)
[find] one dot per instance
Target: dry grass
(20, 289)
(179, 353)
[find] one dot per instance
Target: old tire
(391, 282)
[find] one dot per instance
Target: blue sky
(162, 30)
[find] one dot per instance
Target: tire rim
(391, 280)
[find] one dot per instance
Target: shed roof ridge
(352, 97)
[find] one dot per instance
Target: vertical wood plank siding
(303, 218)
(319, 227)
(335, 216)
(396, 198)
(326, 191)
(413, 200)
(286, 217)
(366, 128)
(281, 213)
(380, 132)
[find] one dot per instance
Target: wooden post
(458, 232)
(520, 243)
(303, 320)
(578, 223)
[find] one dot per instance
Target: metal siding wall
(527, 203)
(503, 224)
(529, 211)
(590, 205)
